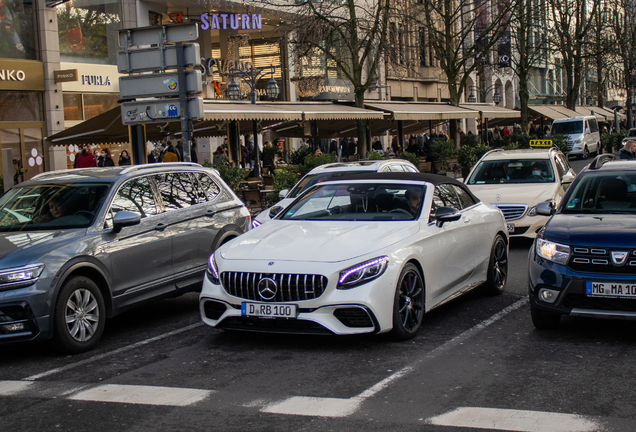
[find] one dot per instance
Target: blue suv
(583, 262)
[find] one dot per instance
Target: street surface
(477, 364)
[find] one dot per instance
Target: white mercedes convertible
(364, 254)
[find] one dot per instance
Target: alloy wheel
(411, 307)
(82, 315)
(500, 265)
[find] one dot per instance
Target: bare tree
(463, 34)
(572, 22)
(349, 34)
(623, 34)
(527, 30)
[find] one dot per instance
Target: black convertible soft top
(434, 179)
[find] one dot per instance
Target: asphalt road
(477, 364)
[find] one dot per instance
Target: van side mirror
(545, 208)
(283, 194)
(587, 130)
(124, 219)
(446, 214)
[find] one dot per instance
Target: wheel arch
(225, 234)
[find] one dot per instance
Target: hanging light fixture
(496, 98)
(272, 89)
(233, 91)
(471, 98)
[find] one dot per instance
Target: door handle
(210, 213)
(466, 220)
(161, 227)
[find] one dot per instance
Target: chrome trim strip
(599, 251)
(600, 262)
(581, 250)
(581, 260)
(594, 313)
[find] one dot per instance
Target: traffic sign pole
(186, 133)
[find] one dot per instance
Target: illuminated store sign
(12, 75)
(231, 21)
(96, 80)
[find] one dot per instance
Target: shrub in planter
(297, 157)
(606, 143)
(375, 156)
(411, 157)
(562, 143)
(481, 150)
(284, 179)
(443, 152)
(232, 176)
(470, 140)
(522, 139)
(312, 161)
(466, 156)
(512, 146)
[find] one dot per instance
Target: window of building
(72, 106)
(88, 31)
(19, 31)
(84, 106)
(21, 106)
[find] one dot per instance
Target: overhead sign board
(149, 59)
(158, 35)
(159, 111)
(158, 84)
(67, 75)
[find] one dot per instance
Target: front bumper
(25, 313)
(572, 298)
(527, 226)
(367, 308)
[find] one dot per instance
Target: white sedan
(364, 254)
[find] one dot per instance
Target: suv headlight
(554, 252)
(20, 277)
(362, 273)
(213, 271)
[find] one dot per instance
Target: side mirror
(446, 214)
(283, 194)
(545, 209)
(274, 211)
(124, 219)
(587, 130)
(567, 178)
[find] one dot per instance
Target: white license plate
(511, 228)
(609, 289)
(269, 310)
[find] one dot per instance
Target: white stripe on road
(514, 420)
(334, 407)
(110, 353)
(8, 388)
(146, 395)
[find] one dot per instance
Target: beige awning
(284, 111)
(492, 111)
(587, 111)
(548, 111)
(565, 111)
(422, 111)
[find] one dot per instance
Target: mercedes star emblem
(267, 288)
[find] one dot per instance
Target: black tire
(497, 268)
(408, 303)
(82, 302)
(544, 320)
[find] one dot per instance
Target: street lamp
(251, 77)
(471, 98)
(496, 98)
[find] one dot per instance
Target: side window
(445, 196)
(564, 161)
(397, 168)
(464, 197)
(177, 190)
(211, 189)
(593, 125)
(559, 164)
(408, 168)
(134, 196)
(386, 169)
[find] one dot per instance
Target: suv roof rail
(156, 165)
(600, 160)
(48, 173)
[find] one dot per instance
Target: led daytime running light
(256, 223)
(382, 262)
(213, 268)
(27, 273)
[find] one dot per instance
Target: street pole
(186, 133)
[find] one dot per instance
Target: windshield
(603, 193)
(631, 133)
(311, 179)
(513, 171)
(567, 128)
(359, 202)
(45, 207)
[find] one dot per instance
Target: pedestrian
(430, 153)
(546, 130)
(318, 152)
(377, 146)
(496, 133)
(193, 153)
(105, 159)
(220, 155)
(505, 131)
(243, 155)
(124, 158)
(170, 155)
(412, 147)
(333, 147)
(250, 145)
(178, 150)
(85, 159)
(627, 152)
(533, 130)
(97, 154)
(395, 146)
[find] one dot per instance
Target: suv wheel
(544, 320)
(586, 153)
(80, 315)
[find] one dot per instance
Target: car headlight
(362, 273)
(554, 252)
(20, 277)
(213, 271)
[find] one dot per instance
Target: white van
(582, 132)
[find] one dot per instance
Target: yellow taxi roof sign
(541, 143)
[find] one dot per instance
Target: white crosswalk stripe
(146, 395)
(515, 420)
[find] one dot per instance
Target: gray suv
(79, 246)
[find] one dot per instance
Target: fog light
(14, 327)
(548, 296)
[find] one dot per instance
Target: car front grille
(512, 211)
(289, 287)
(599, 260)
(581, 301)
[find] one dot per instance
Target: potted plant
(466, 157)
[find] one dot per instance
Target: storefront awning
(422, 111)
(492, 111)
(587, 111)
(228, 111)
(547, 111)
(104, 128)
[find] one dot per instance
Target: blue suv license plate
(610, 289)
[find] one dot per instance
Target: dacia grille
(289, 287)
(512, 211)
(593, 259)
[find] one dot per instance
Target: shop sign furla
(98, 80)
